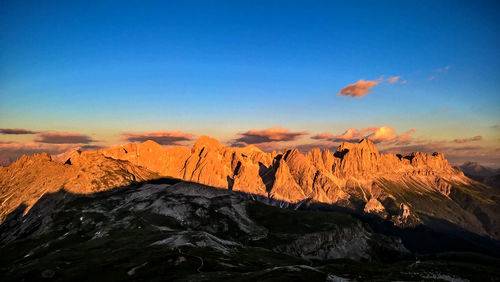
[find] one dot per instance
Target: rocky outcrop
(30, 177)
(354, 176)
(284, 187)
(152, 156)
(374, 206)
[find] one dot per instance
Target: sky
(409, 75)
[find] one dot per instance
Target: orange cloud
(466, 140)
(161, 137)
(358, 89)
(16, 131)
(58, 137)
(393, 79)
(375, 134)
(405, 138)
(352, 134)
(273, 134)
(379, 134)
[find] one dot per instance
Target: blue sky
(223, 67)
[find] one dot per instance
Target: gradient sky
(104, 73)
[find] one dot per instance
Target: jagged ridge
(406, 189)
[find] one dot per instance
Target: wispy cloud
(363, 87)
(350, 135)
(273, 134)
(16, 131)
(439, 71)
(161, 137)
(59, 137)
(466, 140)
(393, 79)
(375, 134)
(358, 89)
(445, 69)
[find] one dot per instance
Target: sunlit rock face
(354, 176)
(30, 177)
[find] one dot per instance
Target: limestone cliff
(354, 176)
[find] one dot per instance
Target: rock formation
(355, 176)
(30, 177)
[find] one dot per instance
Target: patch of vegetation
(477, 192)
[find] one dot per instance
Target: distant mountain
(484, 174)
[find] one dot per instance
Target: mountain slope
(30, 177)
(408, 190)
(187, 231)
(425, 186)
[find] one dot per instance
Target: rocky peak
(346, 178)
(150, 146)
(29, 160)
(356, 159)
(285, 188)
(205, 142)
(251, 148)
(364, 147)
(65, 156)
(429, 163)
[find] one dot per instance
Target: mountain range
(484, 174)
(185, 191)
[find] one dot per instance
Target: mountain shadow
(171, 229)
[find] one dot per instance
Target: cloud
(393, 79)
(58, 137)
(358, 89)
(375, 134)
(16, 131)
(363, 87)
(445, 69)
(466, 140)
(439, 71)
(323, 136)
(91, 147)
(379, 134)
(350, 135)
(161, 137)
(405, 138)
(273, 134)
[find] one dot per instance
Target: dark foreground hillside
(186, 231)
